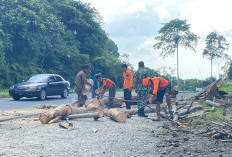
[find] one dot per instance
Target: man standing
(96, 84)
(141, 91)
(128, 84)
(107, 83)
(79, 85)
(159, 87)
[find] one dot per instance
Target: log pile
(186, 110)
(221, 131)
(190, 109)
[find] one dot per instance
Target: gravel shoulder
(28, 137)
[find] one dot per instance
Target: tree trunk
(117, 115)
(211, 70)
(177, 56)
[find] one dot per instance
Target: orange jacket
(159, 83)
(106, 83)
(128, 79)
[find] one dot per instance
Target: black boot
(141, 113)
(128, 107)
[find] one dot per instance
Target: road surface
(9, 103)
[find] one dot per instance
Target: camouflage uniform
(142, 91)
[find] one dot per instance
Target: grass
(226, 87)
(4, 93)
(164, 131)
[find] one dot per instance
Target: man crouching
(159, 87)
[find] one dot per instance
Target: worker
(141, 90)
(128, 84)
(107, 84)
(96, 84)
(79, 85)
(159, 87)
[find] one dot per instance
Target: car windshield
(38, 78)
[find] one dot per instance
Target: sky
(133, 24)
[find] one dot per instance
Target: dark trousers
(127, 96)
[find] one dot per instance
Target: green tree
(216, 44)
(53, 36)
(172, 35)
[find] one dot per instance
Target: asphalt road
(9, 103)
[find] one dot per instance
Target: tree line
(53, 36)
(177, 33)
(59, 36)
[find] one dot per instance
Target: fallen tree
(209, 92)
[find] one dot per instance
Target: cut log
(94, 115)
(92, 107)
(213, 109)
(60, 111)
(117, 115)
(192, 109)
(211, 103)
(203, 113)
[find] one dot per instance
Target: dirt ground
(105, 137)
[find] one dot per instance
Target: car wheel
(43, 95)
(16, 97)
(64, 94)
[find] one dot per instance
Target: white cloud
(208, 15)
(136, 6)
(133, 24)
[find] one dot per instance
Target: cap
(145, 81)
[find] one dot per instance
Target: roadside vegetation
(4, 93)
(226, 87)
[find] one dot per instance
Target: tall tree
(216, 44)
(172, 35)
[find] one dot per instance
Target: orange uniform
(128, 79)
(106, 83)
(159, 83)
